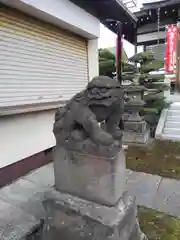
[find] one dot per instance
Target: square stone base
(94, 178)
(138, 127)
(135, 137)
(69, 217)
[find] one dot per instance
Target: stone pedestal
(91, 177)
(74, 218)
(134, 137)
(135, 129)
(88, 201)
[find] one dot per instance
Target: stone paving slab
(128, 173)
(144, 187)
(21, 202)
(168, 197)
(43, 176)
(14, 222)
(19, 191)
(33, 207)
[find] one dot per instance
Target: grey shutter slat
(39, 62)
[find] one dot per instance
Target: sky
(108, 38)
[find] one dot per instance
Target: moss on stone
(160, 158)
(158, 225)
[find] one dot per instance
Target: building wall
(62, 13)
(23, 135)
(40, 63)
(93, 58)
(152, 26)
(140, 49)
(159, 51)
(142, 38)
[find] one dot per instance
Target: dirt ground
(160, 158)
(158, 226)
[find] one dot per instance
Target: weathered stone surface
(168, 197)
(144, 187)
(19, 191)
(90, 122)
(43, 176)
(137, 232)
(98, 179)
(132, 126)
(15, 224)
(135, 137)
(70, 218)
(135, 117)
(134, 105)
(126, 116)
(135, 92)
(34, 207)
(135, 128)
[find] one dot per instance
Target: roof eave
(132, 16)
(109, 13)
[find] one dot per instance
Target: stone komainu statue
(90, 122)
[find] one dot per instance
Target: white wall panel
(62, 13)
(24, 135)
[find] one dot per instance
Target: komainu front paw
(118, 135)
(103, 138)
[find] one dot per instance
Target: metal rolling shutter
(39, 63)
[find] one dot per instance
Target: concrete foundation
(97, 179)
(69, 217)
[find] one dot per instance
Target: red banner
(171, 49)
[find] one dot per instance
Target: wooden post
(178, 60)
(135, 36)
(119, 52)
